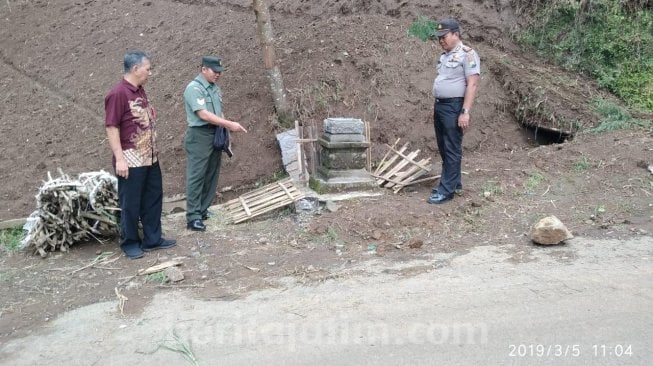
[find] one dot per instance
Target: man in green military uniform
(203, 103)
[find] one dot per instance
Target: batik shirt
(127, 108)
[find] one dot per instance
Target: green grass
(157, 277)
(332, 235)
(422, 28)
(599, 210)
(491, 186)
(615, 118)
(10, 239)
(605, 40)
(7, 276)
(582, 165)
(533, 182)
(178, 345)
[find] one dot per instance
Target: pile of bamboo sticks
(262, 200)
(398, 169)
(70, 211)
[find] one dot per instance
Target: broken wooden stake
(158, 268)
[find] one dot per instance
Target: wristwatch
(465, 111)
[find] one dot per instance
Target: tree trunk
(266, 38)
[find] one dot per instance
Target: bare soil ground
(339, 58)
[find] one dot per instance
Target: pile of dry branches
(70, 211)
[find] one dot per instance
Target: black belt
(449, 100)
(208, 125)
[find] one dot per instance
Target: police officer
(454, 88)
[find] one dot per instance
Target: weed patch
(10, 239)
(591, 37)
(157, 277)
(422, 28)
(533, 182)
(616, 118)
(491, 187)
(582, 165)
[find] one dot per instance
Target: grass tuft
(492, 187)
(582, 165)
(533, 182)
(422, 28)
(616, 118)
(158, 277)
(176, 344)
(10, 239)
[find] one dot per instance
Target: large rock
(550, 231)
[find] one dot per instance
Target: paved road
(587, 303)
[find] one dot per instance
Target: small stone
(263, 241)
(174, 274)
(476, 204)
(377, 235)
(331, 206)
(415, 243)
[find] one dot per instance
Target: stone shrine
(342, 157)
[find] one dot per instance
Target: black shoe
(438, 198)
(196, 225)
(164, 244)
(207, 215)
(132, 251)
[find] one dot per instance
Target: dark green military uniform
(203, 161)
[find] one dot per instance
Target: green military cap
(212, 62)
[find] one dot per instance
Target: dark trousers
(141, 199)
(450, 142)
(202, 171)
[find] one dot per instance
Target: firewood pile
(72, 210)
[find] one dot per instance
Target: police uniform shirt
(453, 69)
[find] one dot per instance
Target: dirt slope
(339, 58)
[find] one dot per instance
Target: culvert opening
(548, 136)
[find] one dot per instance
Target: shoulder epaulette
(467, 49)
